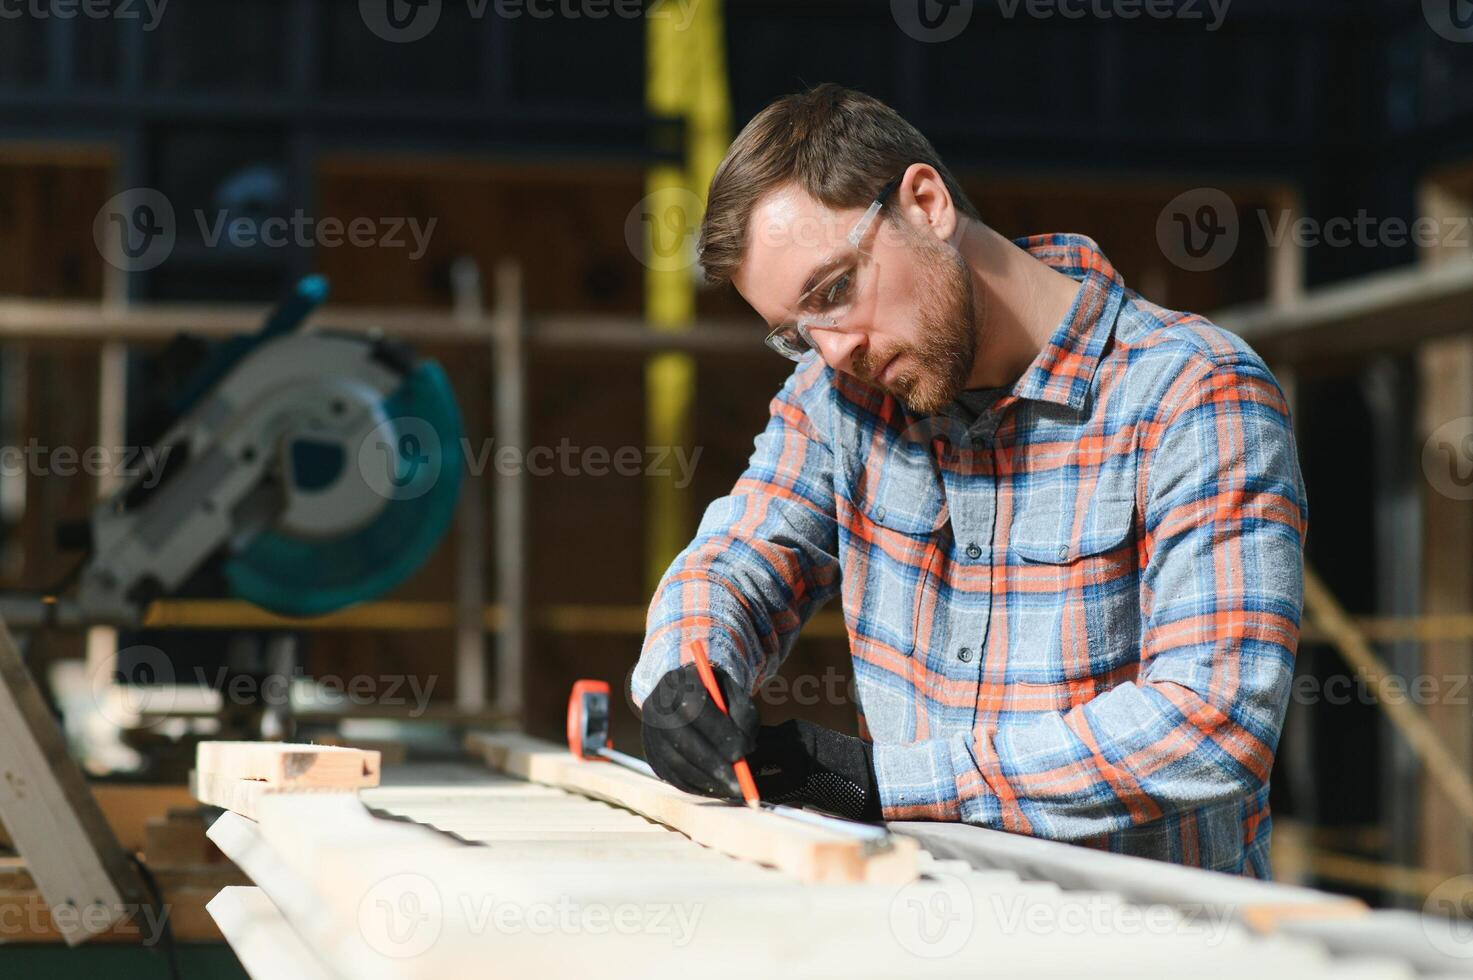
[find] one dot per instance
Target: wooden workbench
(454, 871)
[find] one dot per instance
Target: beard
(941, 360)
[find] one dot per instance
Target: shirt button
(974, 552)
(964, 655)
(1063, 552)
(879, 513)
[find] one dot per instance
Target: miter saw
(311, 469)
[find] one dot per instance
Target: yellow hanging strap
(686, 78)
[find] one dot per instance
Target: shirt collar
(1063, 370)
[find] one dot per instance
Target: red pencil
(708, 678)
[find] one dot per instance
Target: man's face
(911, 327)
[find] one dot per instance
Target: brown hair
(840, 146)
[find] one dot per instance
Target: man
(1065, 524)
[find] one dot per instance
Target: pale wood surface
(243, 796)
(550, 871)
(809, 853)
(261, 938)
(290, 765)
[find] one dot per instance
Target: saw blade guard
(415, 461)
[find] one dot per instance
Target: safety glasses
(842, 280)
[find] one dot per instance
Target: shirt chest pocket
(1073, 596)
(894, 532)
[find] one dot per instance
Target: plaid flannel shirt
(1073, 615)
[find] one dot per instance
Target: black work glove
(688, 741)
(803, 764)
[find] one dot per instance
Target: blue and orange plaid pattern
(1073, 615)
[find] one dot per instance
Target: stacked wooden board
(450, 871)
(236, 775)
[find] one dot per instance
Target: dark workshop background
(529, 139)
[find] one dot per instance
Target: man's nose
(837, 347)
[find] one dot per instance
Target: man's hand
(688, 741)
(800, 763)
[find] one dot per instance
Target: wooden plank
(510, 367)
(1445, 395)
(290, 765)
(390, 753)
(236, 795)
(57, 322)
(1266, 919)
(289, 857)
(1441, 764)
(808, 853)
(1392, 310)
(261, 939)
(51, 815)
(383, 899)
(244, 796)
(376, 898)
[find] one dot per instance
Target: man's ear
(924, 201)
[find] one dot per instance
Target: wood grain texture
(392, 899)
(289, 765)
(236, 795)
(810, 854)
(244, 796)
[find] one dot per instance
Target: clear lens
(789, 341)
(825, 306)
(832, 298)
